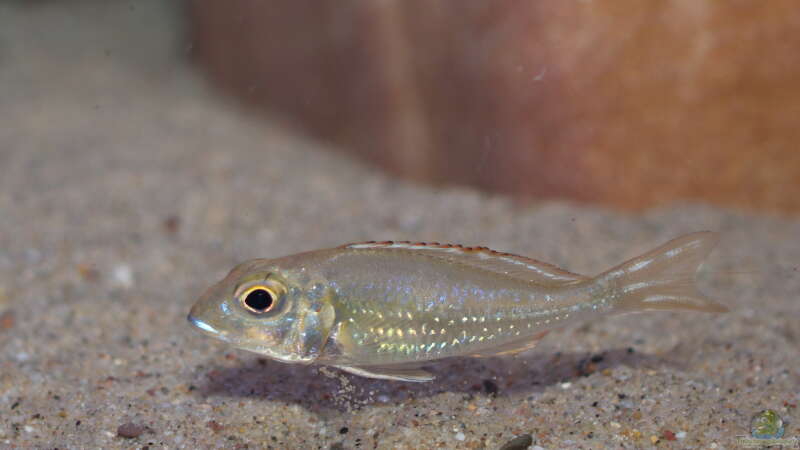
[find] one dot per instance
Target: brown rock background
(624, 102)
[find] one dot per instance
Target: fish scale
(425, 336)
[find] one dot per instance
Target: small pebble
(123, 275)
(88, 272)
(172, 224)
(565, 385)
(680, 435)
(34, 256)
(130, 430)
(7, 320)
(520, 442)
(460, 436)
(215, 426)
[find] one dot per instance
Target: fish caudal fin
(664, 278)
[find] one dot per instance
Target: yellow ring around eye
(256, 308)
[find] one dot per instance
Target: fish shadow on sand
(324, 389)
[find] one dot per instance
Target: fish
(387, 310)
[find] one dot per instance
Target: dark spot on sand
(490, 387)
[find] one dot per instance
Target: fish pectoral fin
(390, 373)
(513, 347)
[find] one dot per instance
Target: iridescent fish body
(383, 309)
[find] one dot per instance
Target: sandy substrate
(127, 186)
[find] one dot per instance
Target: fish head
(270, 309)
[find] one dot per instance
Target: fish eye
(258, 299)
(261, 294)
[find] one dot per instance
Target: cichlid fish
(383, 309)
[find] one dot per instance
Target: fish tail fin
(664, 278)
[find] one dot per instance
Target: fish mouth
(205, 327)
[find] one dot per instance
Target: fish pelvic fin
(664, 278)
(411, 374)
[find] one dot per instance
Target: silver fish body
(382, 309)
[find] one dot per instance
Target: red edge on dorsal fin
(508, 264)
(395, 244)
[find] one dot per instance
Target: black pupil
(259, 300)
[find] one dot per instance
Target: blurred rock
(625, 103)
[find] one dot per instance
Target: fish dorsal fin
(515, 266)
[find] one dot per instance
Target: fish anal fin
(514, 266)
(513, 347)
(390, 373)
